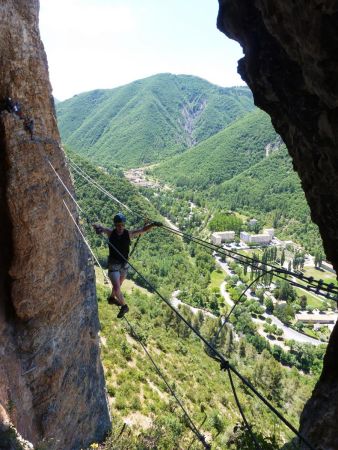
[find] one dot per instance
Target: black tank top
(121, 243)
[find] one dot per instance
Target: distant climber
(9, 104)
(13, 107)
(119, 245)
(28, 124)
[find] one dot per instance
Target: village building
(270, 231)
(263, 238)
(222, 236)
(324, 319)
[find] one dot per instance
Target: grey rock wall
(51, 379)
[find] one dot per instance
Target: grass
(310, 332)
(216, 279)
(318, 274)
(134, 386)
(251, 251)
(312, 300)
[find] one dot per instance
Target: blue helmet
(119, 217)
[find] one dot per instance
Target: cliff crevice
(291, 66)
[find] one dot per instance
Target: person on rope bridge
(119, 245)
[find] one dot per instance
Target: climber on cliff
(119, 244)
(13, 106)
(28, 124)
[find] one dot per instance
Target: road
(289, 333)
(176, 302)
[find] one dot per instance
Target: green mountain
(148, 120)
(229, 152)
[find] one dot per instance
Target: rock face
(51, 379)
(291, 66)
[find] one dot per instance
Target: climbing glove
(98, 228)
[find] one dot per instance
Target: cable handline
(225, 364)
(94, 183)
(277, 271)
(329, 288)
(226, 319)
(217, 355)
(191, 424)
(239, 406)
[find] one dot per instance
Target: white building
(317, 318)
(263, 238)
(244, 236)
(260, 238)
(270, 231)
(222, 236)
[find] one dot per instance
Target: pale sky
(95, 44)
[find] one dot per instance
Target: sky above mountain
(93, 44)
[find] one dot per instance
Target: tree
(229, 342)
(318, 258)
(225, 222)
(303, 301)
(240, 439)
(285, 313)
(217, 423)
(242, 348)
(282, 258)
(269, 305)
(286, 291)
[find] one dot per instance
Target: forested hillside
(161, 257)
(148, 120)
(136, 392)
(210, 140)
(271, 191)
(139, 396)
(226, 154)
(221, 154)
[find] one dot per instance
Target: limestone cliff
(51, 379)
(291, 66)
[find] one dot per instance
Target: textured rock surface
(291, 66)
(51, 379)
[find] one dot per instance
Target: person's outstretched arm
(145, 229)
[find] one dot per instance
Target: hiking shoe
(113, 301)
(124, 309)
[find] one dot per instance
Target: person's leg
(116, 292)
(117, 277)
(123, 273)
(112, 277)
(123, 276)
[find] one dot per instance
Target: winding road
(288, 333)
